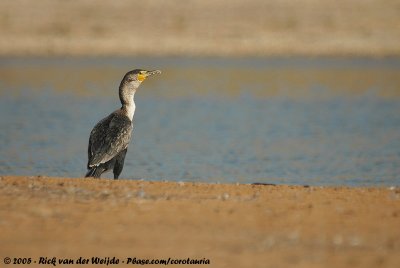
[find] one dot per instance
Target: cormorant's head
(131, 82)
(137, 76)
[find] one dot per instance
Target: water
(316, 121)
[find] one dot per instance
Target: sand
(193, 27)
(230, 225)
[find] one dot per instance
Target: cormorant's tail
(95, 172)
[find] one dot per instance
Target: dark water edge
(318, 121)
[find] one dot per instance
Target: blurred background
(193, 27)
(298, 92)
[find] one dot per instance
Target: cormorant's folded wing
(109, 137)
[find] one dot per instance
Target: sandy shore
(230, 225)
(221, 27)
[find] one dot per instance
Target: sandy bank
(227, 28)
(231, 225)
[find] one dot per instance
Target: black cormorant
(109, 139)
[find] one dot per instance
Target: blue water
(293, 121)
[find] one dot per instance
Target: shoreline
(200, 56)
(223, 28)
(97, 50)
(229, 224)
(98, 53)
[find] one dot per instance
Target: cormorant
(109, 139)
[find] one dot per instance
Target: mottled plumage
(109, 139)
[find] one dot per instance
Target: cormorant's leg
(119, 163)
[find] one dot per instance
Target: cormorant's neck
(126, 95)
(129, 110)
(128, 106)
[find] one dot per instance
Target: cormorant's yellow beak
(144, 74)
